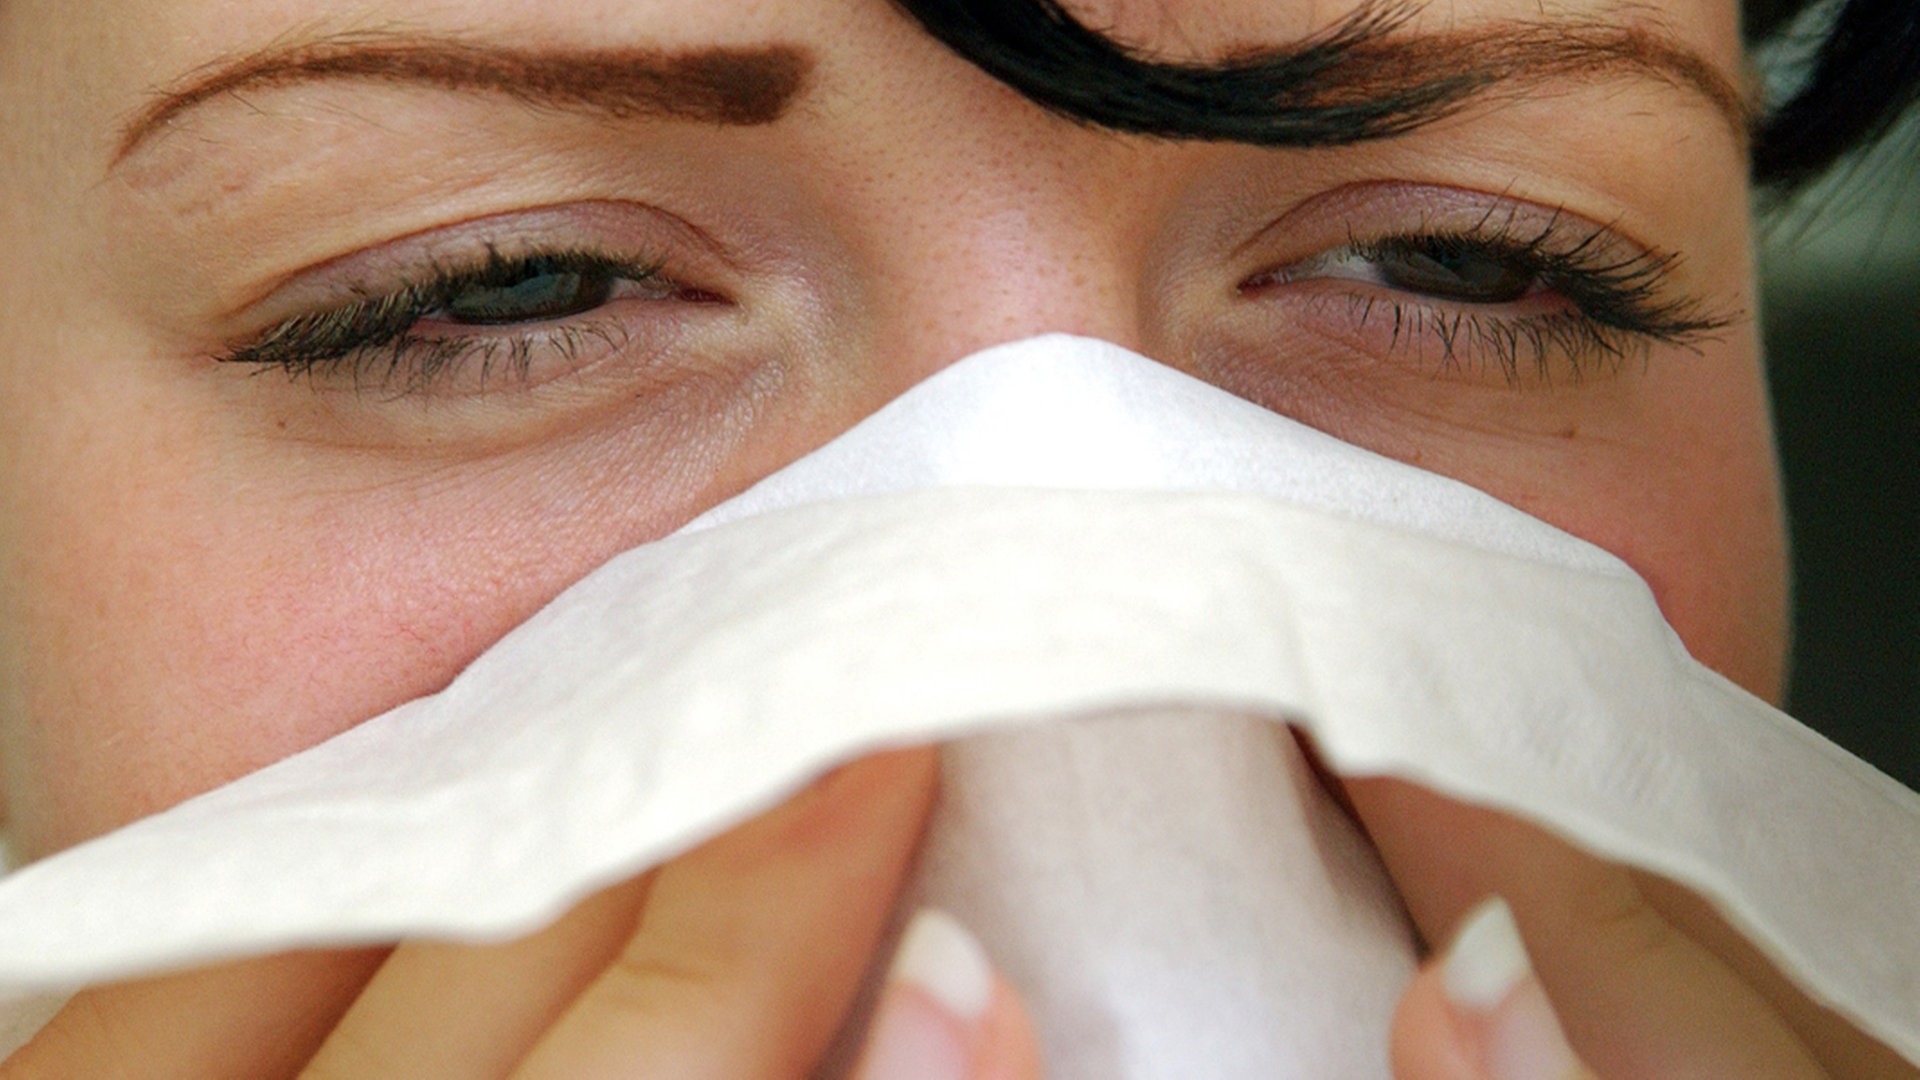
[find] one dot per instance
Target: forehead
(155, 44)
(1173, 27)
(877, 93)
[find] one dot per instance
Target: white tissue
(1416, 627)
(1174, 894)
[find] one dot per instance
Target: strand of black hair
(1865, 76)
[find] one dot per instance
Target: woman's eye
(1553, 303)
(1439, 268)
(537, 293)
(1451, 272)
(527, 316)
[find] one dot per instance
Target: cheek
(177, 625)
(1698, 515)
(189, 642)
(1688, 494)
(1671, 469)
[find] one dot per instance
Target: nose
(965, 251)
(985, 274)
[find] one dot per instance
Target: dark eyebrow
(732, 86)
(1367, 77)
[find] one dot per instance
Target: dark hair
(1863, 75)
(1349, 84)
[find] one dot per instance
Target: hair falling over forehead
(1367, 77)
(1862, 74)
(1362, 79)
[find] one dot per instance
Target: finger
(1479, 1013)
(750, 948)
(945, 1015)
(1638, 998)
(451, 1012)
(1839, 1047)
(253, 1020)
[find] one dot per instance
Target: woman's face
(263, 474)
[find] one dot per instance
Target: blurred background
(1841, 314)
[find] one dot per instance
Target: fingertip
(1478, 1012)
(1425, 1043)
(946, 1014)
(1487, 959)
(1009, 1046)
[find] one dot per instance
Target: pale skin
(204, 568)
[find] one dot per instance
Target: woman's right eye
(534, 292)
(463, 328)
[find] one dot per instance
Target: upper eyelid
(443, 277)
(379, 268)
(1583, 253)
(1376, 209)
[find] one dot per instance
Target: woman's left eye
(1439, 267)
(1518, 300)
(1449, 271)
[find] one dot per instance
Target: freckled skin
(202, 572)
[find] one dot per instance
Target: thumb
(1480, 1013)
(1638, 997)
(945, 1014)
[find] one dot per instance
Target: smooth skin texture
(207, 566)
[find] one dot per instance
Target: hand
(1642, 978)
(742, 958)
(738, 960)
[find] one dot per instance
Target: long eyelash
(1621, 303)
(371, 339)
(1520, 347)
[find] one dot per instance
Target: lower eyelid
(1509, 345)
(449, 361)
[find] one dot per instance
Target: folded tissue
(1108, 588)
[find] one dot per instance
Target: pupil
(537, 295)
(1461, 274)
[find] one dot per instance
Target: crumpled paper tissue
(1113, 585)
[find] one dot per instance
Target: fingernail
(936, 996)
(1502, 1008)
